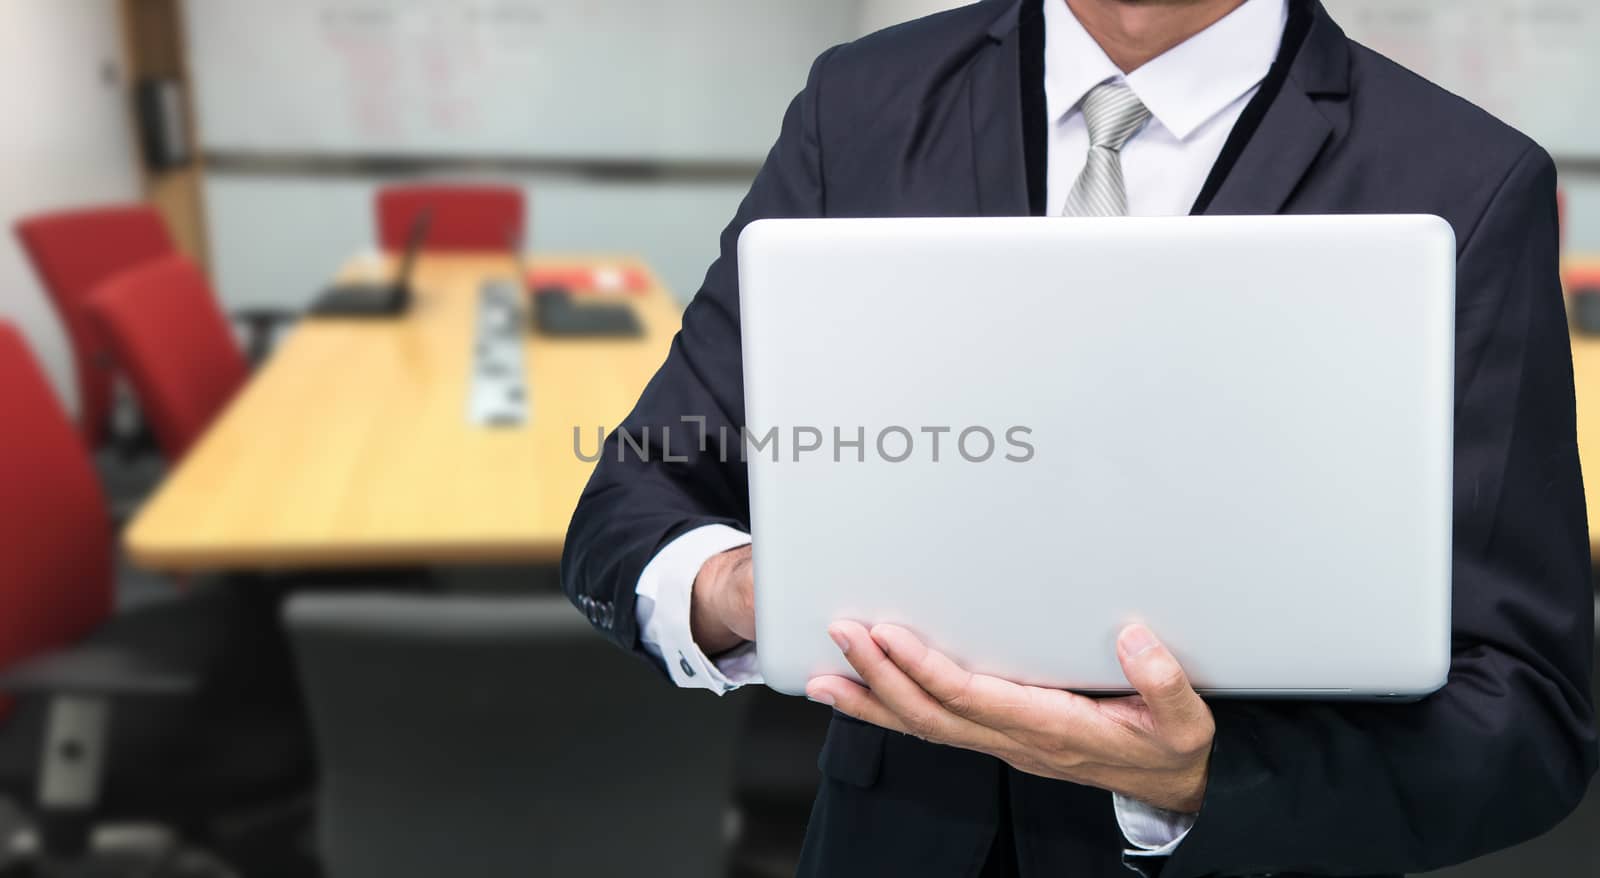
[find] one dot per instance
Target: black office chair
(156, 724)
(1584, 305)
(499, 736)
(775, 780)
(170, 712)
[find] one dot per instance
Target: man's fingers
(988, 701)
(722, 602)
(850, 698)
(918, 713)
(999, 712)
(742, 618)
(1175, 708)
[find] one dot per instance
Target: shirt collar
(1185, 86)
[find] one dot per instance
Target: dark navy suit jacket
(925, 119)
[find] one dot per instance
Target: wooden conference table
(352, 445)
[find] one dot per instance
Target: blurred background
(280, 594)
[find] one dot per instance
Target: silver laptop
(1016, 436)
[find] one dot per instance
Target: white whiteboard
(564, 79)
(708, 79)
(1533, 63)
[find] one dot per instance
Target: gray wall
(66, 140)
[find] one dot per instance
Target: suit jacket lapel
(994, 99)
(1276, 159)
(1296, 126)
(1272, 162)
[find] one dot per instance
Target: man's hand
(722, 604)
(1154, 746)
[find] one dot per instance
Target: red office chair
(164, 329)
(463, 217)
(55, 539)
(73, 251)
(162, 703)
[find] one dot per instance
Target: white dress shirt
(1195, 93)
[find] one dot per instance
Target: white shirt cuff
(1153, 832)
(662, 610)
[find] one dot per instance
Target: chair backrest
(72, 251)
(55, 529)
(500, 736)
(166, 331)
(463, 217)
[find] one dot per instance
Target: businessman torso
(944, 117)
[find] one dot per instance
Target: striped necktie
(1113, 114)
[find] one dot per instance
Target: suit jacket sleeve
(1507, 747)
(664, 471)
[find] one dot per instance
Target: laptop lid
(1016, 436)
(416, 238)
